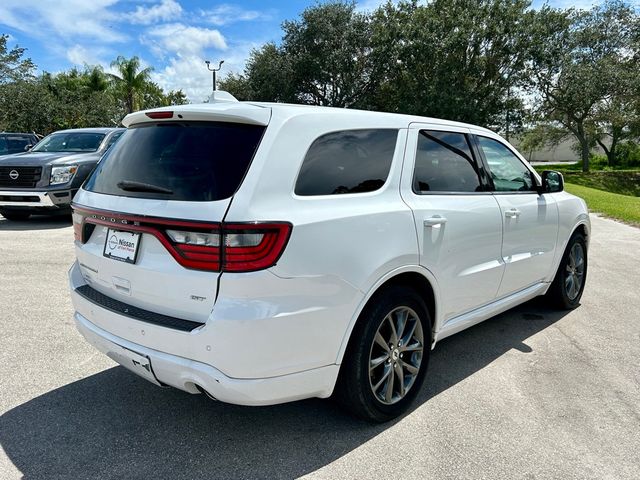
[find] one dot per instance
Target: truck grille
(19, 177)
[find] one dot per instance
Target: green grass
(595, 165)
(613, 205)
(624, 182)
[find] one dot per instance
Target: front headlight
(62, 174)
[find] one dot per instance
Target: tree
(617, 117)
(152, 96)
(267, 77)
(96, 80)
(455, 59)
(26, 106)
(330, 51)
(577, 70)
(325, 58)
(176, 97)
(131, 81)
(12, 66)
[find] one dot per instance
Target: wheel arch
(583, 226)
(416, 277)
(583, 229)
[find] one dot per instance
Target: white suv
(263, 253)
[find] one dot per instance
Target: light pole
(214, 70)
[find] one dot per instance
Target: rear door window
(444, 163)
(347, 161)
(188, 161)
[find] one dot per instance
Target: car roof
(292, 110)
(89, 130)
(260, 113)
(18, 133)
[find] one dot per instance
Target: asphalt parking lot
(532, 393)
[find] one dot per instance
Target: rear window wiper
(131, 186)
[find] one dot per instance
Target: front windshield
(70, 142)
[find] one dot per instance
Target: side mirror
(28, 147)
(552, 182)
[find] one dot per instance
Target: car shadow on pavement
(36, 222)
(115, 425)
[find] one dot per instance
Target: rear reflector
(157, 115)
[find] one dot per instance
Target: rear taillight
(78, 221)
(227, 247)
(197, 250)
(236, 247)
(249, 247)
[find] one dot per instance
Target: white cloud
(226, 13)
(65, 18)
(79, 55)
(166, 10)
(181, 39)
(189, 72)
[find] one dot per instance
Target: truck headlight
(62, 174)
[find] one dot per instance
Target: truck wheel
(15, 216)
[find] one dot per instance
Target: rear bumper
(34, 199)
(243, 355)
(185, 374)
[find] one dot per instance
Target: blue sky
(173, 36)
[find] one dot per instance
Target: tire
(566, 290)
(378, 396)
(15, 216)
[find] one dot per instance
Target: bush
(628, 154)
(598, 162)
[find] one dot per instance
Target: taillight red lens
(236, 247)
(250, 247)
(230, 247)
(200, 258)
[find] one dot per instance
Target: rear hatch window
(187, 161)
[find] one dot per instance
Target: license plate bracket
(134, 362)
(121, 245)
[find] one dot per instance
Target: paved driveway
(529, 394)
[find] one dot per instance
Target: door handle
(513, 213)
(434, 221)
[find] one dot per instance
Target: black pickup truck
(45, 179)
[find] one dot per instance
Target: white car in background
(263, 253)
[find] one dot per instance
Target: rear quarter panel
(340, 246)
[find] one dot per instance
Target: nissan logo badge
(13, 174)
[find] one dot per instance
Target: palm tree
(131, 81)
(95, 79)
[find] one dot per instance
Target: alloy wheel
(396, 355)
(574, 272)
